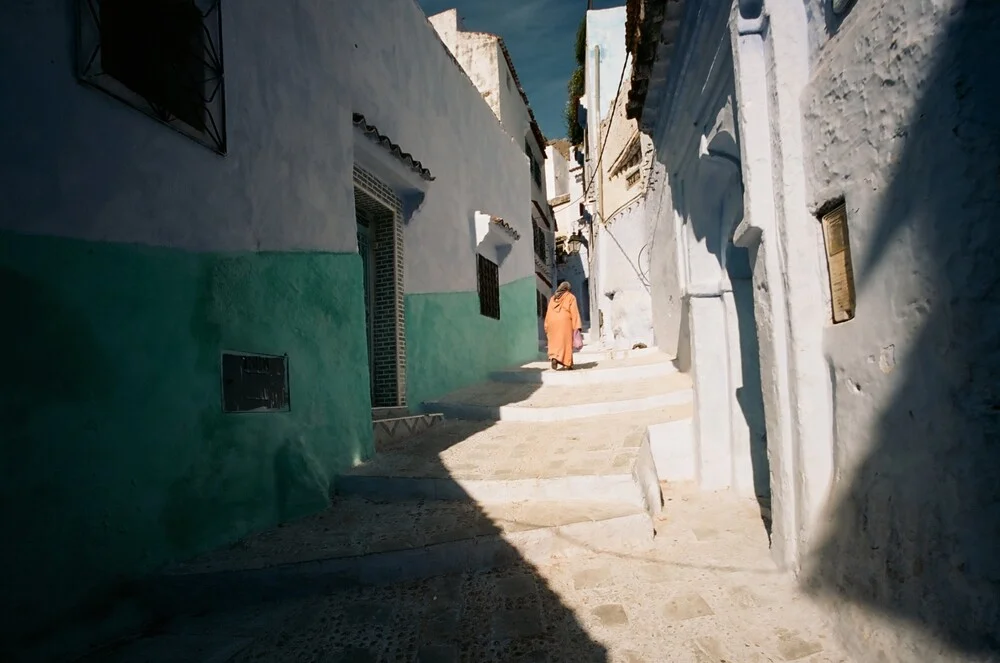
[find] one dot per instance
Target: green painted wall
(116, 457)
(443, 355)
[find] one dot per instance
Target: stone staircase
(531, 465)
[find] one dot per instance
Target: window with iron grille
(536, 170)
(539, 241)
(163, 57)
(632, 178)
(488, 276)
(542, 304)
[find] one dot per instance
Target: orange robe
(561, 319)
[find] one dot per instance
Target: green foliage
(581, 42)
(575, 87)
(574, 132)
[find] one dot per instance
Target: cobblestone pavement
(704, 592)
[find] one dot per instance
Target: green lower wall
(116, 457)
(450, 345)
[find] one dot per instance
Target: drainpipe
(594, 119)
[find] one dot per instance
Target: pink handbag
(577, 340)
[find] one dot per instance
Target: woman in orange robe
(561, 320)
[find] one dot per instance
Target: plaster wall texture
(495, 179)
(556, 173)
(771, 70)
(617, 135)
(665, 264)
(481, 57)
(696, 197)
(899, 117)
(158, 254)
(628, 312)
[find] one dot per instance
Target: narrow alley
(617, 331)
(525, 533)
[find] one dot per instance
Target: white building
(615, 178)
(216, 272)
(485, 58)
(564, 178)
(824, 201)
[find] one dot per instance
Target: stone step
(509, 401)
(597, 352)
(369, 542)
(598, 458)
(620, 487)
(599, 370)
(402, 428)
(673, 449)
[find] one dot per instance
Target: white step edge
(646, 479)
(586, 376)
(558, 413)
(620, 488)
(672, 449)
(592, 354)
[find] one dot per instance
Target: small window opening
(488, 277)
(155, 48)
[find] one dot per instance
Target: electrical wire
(611, 119)
(604, 143)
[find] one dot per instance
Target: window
(162, 57)
(538, 237)
(632, 162)
(488, 276)
(632, 178)
(543, 304)
(536, 170)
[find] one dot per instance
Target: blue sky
(539, 35)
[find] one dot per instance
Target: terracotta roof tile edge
(372, 132)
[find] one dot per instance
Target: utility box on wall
(254, 383)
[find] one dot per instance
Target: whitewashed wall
(264, 194)
(556, 173)
(625, 294)
(99, 166)
(444, 123)
(899, 116)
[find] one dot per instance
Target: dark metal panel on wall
(255, 383)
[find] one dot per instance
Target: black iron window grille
(536, 170)
(488, 276)
(543, 304)
(538, 235)
(162, 57)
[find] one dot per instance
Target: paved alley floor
(704, 591)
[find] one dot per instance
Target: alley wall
(132, 257)
(900, 120)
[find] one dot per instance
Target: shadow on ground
(406, 576)
(916, 525)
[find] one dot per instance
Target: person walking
(563, 328)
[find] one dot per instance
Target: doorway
(378, 218)
(368, 279)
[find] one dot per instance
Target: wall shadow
(408, 575)
(708, 194)
(915, 529)
(749, 395)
